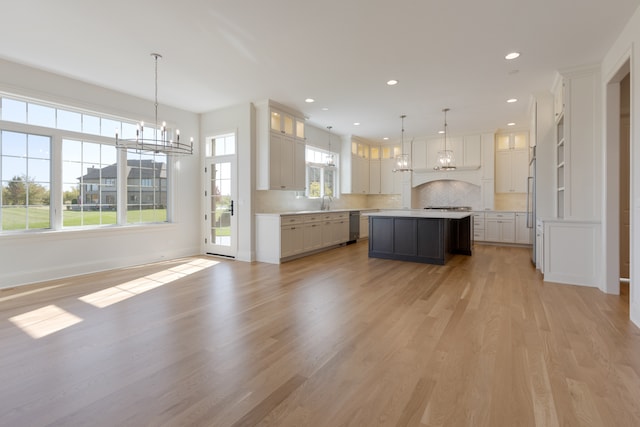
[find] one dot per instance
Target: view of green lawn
(15, 218)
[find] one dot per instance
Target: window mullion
(56, 187)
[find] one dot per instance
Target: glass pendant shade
(446, 160)
(403, 162)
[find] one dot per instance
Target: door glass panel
(221, 204)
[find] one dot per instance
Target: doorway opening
(617, 190)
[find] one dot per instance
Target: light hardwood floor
(334, 339)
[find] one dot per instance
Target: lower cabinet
(280, 237)
(291, 240)
(500, 227)
(523, 233)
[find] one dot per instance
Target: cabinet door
(523, 234)
(299, 166)
(519, 170)
(287, 163)
(363, 175)
(291, 240)
(390, 181)
(374, 177)
(364, 226)
(419, 155)
(492, 230)
(275, 158)
(503, 171)
(472, 150)
(507, 231)
(327, 233)
(312, 236)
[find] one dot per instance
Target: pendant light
(331, 161)
(446, 160)
(403, 162)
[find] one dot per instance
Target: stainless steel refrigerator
(531, 203)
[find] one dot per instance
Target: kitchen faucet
(327, 206)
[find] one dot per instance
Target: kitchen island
(419, 236)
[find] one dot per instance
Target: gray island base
(419, 236)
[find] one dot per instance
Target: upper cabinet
(466, 151)
(512, 162)
(280, 144)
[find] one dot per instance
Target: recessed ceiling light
(309, 100)
(441, 131)
(356, 124)
(511, 124)
(386, 138)
(512, 100)
(392, 82)
(325, 108)
(512, 55)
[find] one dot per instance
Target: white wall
(37, 256)
(627, 46)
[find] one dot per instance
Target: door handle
(232, 208)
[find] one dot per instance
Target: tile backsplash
(292, 201)
(447, 193)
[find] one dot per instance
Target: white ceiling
(447, 53)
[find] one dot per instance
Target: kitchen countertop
(317, 211)
(421, 213)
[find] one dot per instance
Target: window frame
(323, 167)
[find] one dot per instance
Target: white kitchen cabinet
(523, 233)
(280, 146)
(467, 152)
(355, 168)
(512, 168)
(374, 176)
(500, 227)
(283, 237)
(364, 226)
(478, 226)
(291, 240)
(312, 231)
(487, 193)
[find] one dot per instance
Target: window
(221, 145)
(88, 167)
(322, 179)
(86, 196)
(146, 188)
(25, 181)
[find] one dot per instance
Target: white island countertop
(420, 213)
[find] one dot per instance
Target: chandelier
(331, 160)
(446, 160)
(403, 162)
(157, 139)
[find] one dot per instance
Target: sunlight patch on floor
(44, 321)
(106, 297)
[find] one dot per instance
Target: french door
(221, 197)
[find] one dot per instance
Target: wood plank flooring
(334, 339)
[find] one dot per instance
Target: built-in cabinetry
(512, 162)
(478, 227)
(280, 145)
(501, 227)
(466, 150)
(368, 169)
(578, 136)
(282, 237)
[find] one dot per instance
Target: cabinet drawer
(291, 219)
(478, 235)
(501, 215)
(312, 218)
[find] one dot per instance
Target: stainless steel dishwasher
(354, 226)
